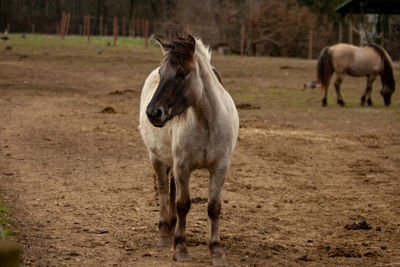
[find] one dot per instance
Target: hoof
(217, 255)
(341, 102)
(182, 255)
(164, 242)
(362, 101)
(369, 102)
(219, 260)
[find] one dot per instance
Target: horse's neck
(207, 108)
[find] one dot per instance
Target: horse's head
(387, 95)
(179, 87)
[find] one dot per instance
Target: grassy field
(79, 185)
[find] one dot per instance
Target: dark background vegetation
(274, 27)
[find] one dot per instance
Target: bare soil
(78, 181)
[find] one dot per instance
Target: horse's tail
(325, 67)
(387, 74)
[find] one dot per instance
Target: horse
(188, 121)
(370, 61)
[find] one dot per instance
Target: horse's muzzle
(387, 98)
(156, 116)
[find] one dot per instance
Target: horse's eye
(181, 74)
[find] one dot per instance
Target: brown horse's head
(387, 96)
(388, 83)
(179, 87)
(387, 77)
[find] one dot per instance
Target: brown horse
(370, 61)
(187, 121)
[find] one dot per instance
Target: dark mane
(180, 52)
(387, 76)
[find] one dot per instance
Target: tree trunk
(131, 9)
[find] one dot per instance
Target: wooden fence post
(350, 30)
(101, 25)
(124, 26)
(146, 33)
(143, 24)
(310, 45)
(88, 28)
(132, 27)
(84, 26)
(68, 18)
(115, 31)
(65, 25)
(242, 31)
(62, 24)
(139, 27)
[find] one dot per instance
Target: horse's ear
(165, 47)
(192, 43)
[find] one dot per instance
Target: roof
(369, 6)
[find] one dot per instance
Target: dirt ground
(79, 183)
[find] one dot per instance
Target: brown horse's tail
(387, 74)
(325, 67)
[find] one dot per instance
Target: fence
(240, 39)
(233, 39)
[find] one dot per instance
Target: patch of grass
(5, 221)
(38, 44)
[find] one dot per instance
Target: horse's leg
(324, 87)
(181, 173)
(325, 99)
(338, 83)
(214, 210)
(164, 234)
(368, 90)
(172, 205)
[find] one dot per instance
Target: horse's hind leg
(214, 211)
(368, 90)
(164, 234)
(338, 83)
(181, 173)
(325, 98)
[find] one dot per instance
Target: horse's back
(355, 61)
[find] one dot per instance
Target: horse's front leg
(164, 225)
(181, 173)
(217, 177)
(368, 90)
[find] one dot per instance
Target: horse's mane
(202, 50)
(179, 52)
(387, 75)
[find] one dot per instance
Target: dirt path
(81, 188)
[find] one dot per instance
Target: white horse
(187, 121)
